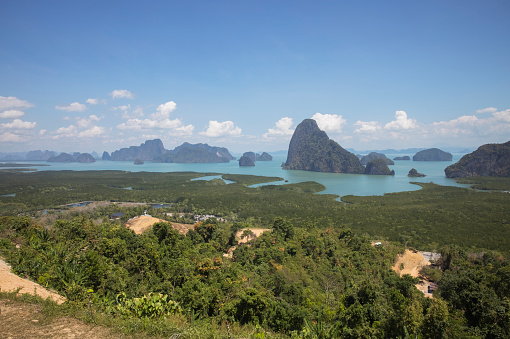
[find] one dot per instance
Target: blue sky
(100, 75)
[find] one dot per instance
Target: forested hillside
(316, 274)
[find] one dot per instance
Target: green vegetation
(486, 183)
(315, 275)
(425, 219)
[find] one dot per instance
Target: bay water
(335, 183)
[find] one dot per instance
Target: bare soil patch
(11, 282)
(21, 320)
(144, 222)
(256, 232)
(411, 262)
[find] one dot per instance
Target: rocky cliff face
(378, 167)
(310, 149)
(106, 156)
(374, 155)
(492, 160)
(146, 151)
(432, 154)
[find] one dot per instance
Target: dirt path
(20, 320)
(144, 222)
(10, 282)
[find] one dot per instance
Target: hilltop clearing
(144, 222)
(411, 262)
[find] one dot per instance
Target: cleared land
(144, 222)
(411, 262)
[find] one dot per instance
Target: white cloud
(87, 122)
(13, 102)
(401, 122)
(502, 115)
(11, 114)
(10, 137)
(367, 127)
(121, 93)
(165, 109)
(70, 130)
(19, 124)
(329, 122)
(283, 127)
(220, 129)
(92, 132)
(487, 110)
(158, 120)
(42, 132)
(72, 107)
(92, 101)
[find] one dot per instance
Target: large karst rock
(374, 155)
(432, 154)
(311, 149)
(491, 160)
(106, 156)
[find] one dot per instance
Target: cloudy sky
(99, 75)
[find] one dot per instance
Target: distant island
(153, 150)
(491, 160)
(246, 160)
(249, 158)
(76, 157)
(311, 149)
(374, 155)
(405, 157)
(413, 173)
(378, 167)
(432, 154)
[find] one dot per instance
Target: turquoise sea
(335, 183)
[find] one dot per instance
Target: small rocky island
(138, 162)
(405, 157)
(310, 149)
(413, 173)
(432, 154)
(490, 160)
(378, 167)
(246, 160)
